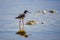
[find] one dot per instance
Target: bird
(44, 11)
(21, 18)
(52, 11)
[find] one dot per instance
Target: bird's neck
(25, 13)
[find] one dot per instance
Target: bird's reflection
(22, 33)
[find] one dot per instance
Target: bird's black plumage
(26, 11)
(22, 15)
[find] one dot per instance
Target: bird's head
(26, 11)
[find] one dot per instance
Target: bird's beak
(29, 12)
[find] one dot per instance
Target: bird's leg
(22, 23)
(19, 24)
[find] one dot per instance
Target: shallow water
(11, 35)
